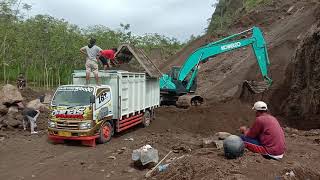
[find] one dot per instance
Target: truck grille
(68, 125)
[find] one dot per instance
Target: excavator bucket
(187, 100)
(256, 87)
(137, 60)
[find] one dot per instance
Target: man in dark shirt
(31, 113)
(30, 116)
(266, 135)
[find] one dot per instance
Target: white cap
(260, 106)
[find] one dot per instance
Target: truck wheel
(106, 132)
(146, 119)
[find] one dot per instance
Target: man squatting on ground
(266, 136)
(91, 51)
(107, 58)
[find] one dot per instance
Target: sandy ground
(32, 157)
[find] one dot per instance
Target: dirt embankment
(302, 107)
(284, 23)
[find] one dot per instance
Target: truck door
(103, 104)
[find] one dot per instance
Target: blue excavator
(179, 85)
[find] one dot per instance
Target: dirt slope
(284, 23)
(302, 107)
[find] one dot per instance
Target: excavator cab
(174, 72)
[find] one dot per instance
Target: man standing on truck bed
(107, 57)
(92, 52)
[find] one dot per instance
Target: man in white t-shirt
(92, 52)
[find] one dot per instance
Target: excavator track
(188, 100)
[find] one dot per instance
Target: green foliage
(250, 4)
(46, 49)
(228, 10)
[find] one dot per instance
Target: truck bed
(132, 92)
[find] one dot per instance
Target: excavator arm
(256, 41)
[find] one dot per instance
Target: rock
(13, 109)
(212, 142)
(290, 9)
(129, 139)
(223, 135)
(2, 119)
(218, 144)
(3, 109)
(10, 94)
(112, 157)
(10, 121)
(181, 148)
(120, 151)
(2, 139)
(14, 123)
(207, 142)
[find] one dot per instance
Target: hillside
(283, 22)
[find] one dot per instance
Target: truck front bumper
(85, 137)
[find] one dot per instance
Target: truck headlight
(85, 125)
(51, 124)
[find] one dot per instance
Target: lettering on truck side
(230, 46)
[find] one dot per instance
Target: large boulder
(10, 94)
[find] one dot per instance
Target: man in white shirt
(92, 52)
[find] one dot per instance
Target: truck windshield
(72, 96)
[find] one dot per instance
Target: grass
(251, 4)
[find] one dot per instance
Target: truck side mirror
(92, 99)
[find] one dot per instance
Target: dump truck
(92, 113)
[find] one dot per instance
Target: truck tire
(105, 133)
(146, 119)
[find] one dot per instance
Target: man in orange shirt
(107, 57)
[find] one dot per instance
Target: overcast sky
(173, 18)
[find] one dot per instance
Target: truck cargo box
(131, 92)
